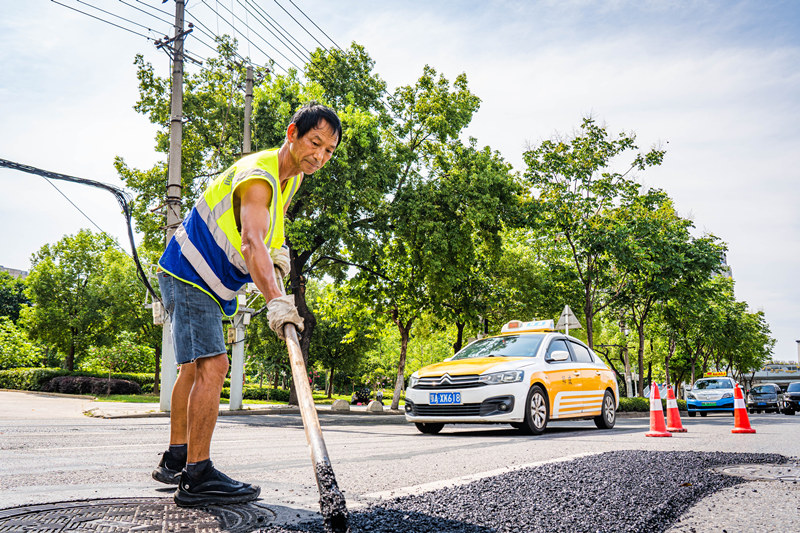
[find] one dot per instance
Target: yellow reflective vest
(206, 250)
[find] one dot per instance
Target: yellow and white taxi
(526, 376)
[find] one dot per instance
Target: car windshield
(507, 346)
(709, 384)
(793, 387)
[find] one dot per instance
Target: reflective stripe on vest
(192, 254)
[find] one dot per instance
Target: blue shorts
(196, 320)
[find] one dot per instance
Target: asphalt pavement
(756, 504)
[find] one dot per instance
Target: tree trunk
(330, 383)
(640, 355)
(70, 362)
(459, 337)
(588, 313)
(404, 329)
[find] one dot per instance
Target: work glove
(280, 258)
(282, 311)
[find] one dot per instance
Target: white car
(526, 376)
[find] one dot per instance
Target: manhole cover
(134, 514)
(768, 472)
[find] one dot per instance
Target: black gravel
(623, 491)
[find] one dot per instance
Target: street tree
(12, 295)
(68, 298)
(577, 192)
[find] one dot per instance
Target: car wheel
(703, 414)
(430, 428)
(537, 411)
(608, 414)
(789, 412)
(691, 413)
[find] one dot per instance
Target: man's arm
(255, 195)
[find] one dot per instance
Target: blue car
(710, 395)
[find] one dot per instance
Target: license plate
(445, 398)
(762, 403)
(709, 404)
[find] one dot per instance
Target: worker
(233, 235)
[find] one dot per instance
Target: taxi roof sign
(533, 325)
(715, 374)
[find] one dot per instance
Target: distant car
(766, 397)
(526, 376)
(791, 399)
(710, 395)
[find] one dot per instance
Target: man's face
(311, 151)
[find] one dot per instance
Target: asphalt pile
(622, 491)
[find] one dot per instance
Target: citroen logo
(445, 380)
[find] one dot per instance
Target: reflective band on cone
(673, 414)
(657, 426)
(741, 422)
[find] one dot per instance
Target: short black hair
(309, 116)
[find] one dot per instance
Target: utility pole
(248, 110)
(169, 369)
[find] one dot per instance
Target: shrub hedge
(636, 405)
(34, 379)
(263, 394)
(91, 385)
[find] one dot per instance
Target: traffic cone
(673, 415)
(657, 426)
(741, 422)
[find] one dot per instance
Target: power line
(257, 47)
(285, 34)
(298, 23)
(103, 20)
(115, 15)
(145, 12)
(81, 211)
(314, 23)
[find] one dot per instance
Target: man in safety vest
(232, 236)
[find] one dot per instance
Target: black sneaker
(169, 469)
(212, 487)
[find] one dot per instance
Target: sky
(715, 83)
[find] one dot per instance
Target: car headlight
(749, 398)
(510, 376)
(728, 395)
(413, 380)
(691, 396)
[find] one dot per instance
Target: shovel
(331, 499)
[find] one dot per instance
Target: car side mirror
(559, 355)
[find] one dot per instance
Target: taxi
(526, 376)
(711, 394)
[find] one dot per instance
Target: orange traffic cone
(741, 422)
(673, 415)
(657, 426)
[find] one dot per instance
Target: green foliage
(15, 348)
(28, 378)
(91, 385)
(125, 355)
(68, 297)
(577, 198)
(12, 295)
(258, 393)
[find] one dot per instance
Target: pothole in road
(763, 472)
(134, 514)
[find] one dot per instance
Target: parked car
(791, 399)
(766, 397)
(526, 376)
(709, 395)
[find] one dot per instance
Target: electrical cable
(285, 35)
(315, 24)
(304, 28)
(256, 46)
(115, 15)
(145, 12)
(122, 197)
(67, 198)
(104, 20)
